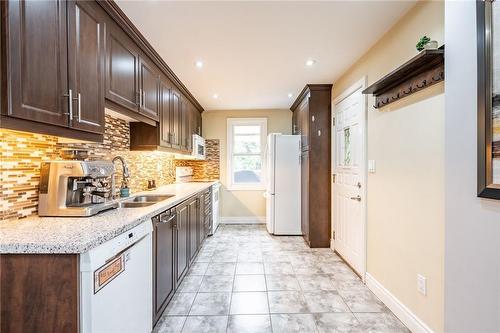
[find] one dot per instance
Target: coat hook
(409, 91)
(439, 77)
(395, 98)
(424, 83)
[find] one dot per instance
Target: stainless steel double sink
(145, 200)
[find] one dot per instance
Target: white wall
(247, 205)
(472, 232)
(405, 213)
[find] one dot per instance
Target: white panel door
(348, 181)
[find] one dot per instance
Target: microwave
(199, 150)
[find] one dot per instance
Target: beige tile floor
(247, 281)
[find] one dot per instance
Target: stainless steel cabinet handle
(140, 97)
(79, 99)
(358, 198)
(70, 106)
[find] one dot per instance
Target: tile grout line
(267, 297)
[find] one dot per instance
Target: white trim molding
(415, 324)
(243, 220)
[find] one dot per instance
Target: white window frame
(231, 122)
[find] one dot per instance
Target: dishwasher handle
(125, 249)
(165, 218)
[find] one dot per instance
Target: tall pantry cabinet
(312, 121)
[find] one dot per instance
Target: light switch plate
(422, 284)
(371, 166)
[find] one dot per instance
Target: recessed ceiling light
(215, 96)
(290, 95)
(199, 64)
(310, 62)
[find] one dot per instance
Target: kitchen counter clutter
(70, 235)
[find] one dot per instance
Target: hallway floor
(245, 280)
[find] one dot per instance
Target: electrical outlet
(422, 284)
(371, 166)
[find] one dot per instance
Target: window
(246, 140)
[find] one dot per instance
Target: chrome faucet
(125, 174)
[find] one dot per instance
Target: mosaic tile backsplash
(21, 154)
(209, 169)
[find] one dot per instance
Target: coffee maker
(76, 188)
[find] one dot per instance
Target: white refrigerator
(283, 184)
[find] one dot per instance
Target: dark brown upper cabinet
(148, 89)
(48, 45)
(122, 69)
(165, 124)
(86, 61)
(195, 121)
(178, 121)
(175, 126)
(64, 61)
(185, 126)
(37, 56)
(132, 81)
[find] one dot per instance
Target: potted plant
(426, 43)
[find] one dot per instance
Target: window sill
(246, 188)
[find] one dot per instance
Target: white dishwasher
(116, 284)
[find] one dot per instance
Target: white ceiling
(254, 53)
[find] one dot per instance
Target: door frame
(358, 85)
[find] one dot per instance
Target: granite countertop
(80, 234)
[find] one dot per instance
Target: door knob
(358, 198)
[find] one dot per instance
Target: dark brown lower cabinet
(181, 242)
(39, 293)
(163, 259)
(194, 226)
(178, 235)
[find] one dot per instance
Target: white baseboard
(399, 309)
(243, 219)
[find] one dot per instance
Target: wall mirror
(488, 53)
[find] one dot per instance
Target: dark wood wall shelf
(420, 72)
